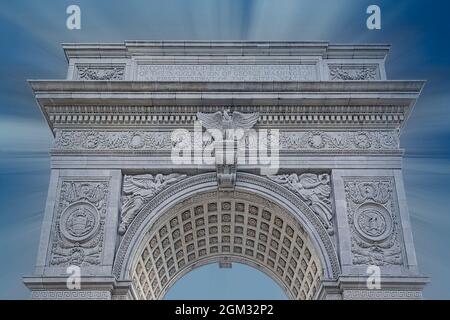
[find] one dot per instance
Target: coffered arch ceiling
(236, 226)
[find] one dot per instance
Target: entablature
(351, 104)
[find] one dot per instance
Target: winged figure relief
(225, 121)
(315, 190)
(138, 190)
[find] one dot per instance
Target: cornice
(282, 117)
(323, 87)
(217, 48)
(343, 103)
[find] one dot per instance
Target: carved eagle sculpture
(223, 120)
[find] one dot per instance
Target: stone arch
(260, 224)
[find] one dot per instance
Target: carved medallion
(137, 141)
(373, 222)
(79, 222)
(316, 140)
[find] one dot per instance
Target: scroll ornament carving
(79, 226)
(321, 140)
(154, 140)
(338, 72)
(315, 191)
(120, 140)
(138, 190)
(373, 223)
(100, 73)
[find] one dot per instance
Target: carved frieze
(353, 72)
(314, 190)
(161, 140)
(138, 190)
(112, 140)
(100, 72)
(350, 140)
(373, 219)
(79, 226)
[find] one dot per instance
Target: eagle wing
(211, 121)
(244, 121)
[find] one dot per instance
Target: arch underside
(216, 226)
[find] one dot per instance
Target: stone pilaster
(78, 236)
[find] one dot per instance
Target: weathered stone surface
(133, 222)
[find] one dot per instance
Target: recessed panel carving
(372, 213)
(78, 229)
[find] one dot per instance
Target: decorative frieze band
(93, 140)
(70, 295)
(359, 294)
(112, 140)
(350, 140)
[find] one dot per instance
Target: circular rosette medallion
(373, 222)
(79, 222)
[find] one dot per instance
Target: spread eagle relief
(226, 121)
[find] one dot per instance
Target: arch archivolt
(206, 225)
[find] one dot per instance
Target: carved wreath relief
(373, 222)
(79, 226)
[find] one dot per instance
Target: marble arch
(251, 224)
(114, 186)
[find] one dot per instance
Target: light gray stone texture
(335, 207)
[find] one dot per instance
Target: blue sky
(31, 33)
